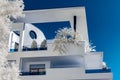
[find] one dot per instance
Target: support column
(19, 27)
(21, 37)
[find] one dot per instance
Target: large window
(37, 69)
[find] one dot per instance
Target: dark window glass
(37, 69)
(33, 35)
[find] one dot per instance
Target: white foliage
(68, 36)
(8, 9)
(9, 72)
(90, 48)
(12, 8)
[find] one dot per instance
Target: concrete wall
(90, 60)
(27, 40)
(61, 14)
(12, 39)
(68, 74)
(53, 62)
(93, 60)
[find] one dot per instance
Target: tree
(9, 10)
(67, 36)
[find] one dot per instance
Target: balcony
(86, 71)
(67, 74)
(49, 49)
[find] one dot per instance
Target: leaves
(8, 9)
(90, 48)
(67, 36)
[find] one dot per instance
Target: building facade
(31, 46)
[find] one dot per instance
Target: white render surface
(76, 55)
(61, 14)
(90, 61)
(13, 38)
(50, 50)
(93, 60)
(69, 74)
(27, 41)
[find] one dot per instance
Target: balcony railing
(33, 49)
(33, 73)
(98, 70)
(86, 71)
(68, 70)
(29, 49)
(13, 50)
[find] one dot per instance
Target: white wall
(13, 38)
(68, 74)
(61, 14)
(27, 40)
(93, 60)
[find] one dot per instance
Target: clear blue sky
(103, 20)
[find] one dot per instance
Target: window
(37, 69)
(32, 34)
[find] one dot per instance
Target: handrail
(98, 70)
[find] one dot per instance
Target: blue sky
(103, 20)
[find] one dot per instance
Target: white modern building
(31, 47)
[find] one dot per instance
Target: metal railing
(32, 73)
(98, 70)
(27, 48)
